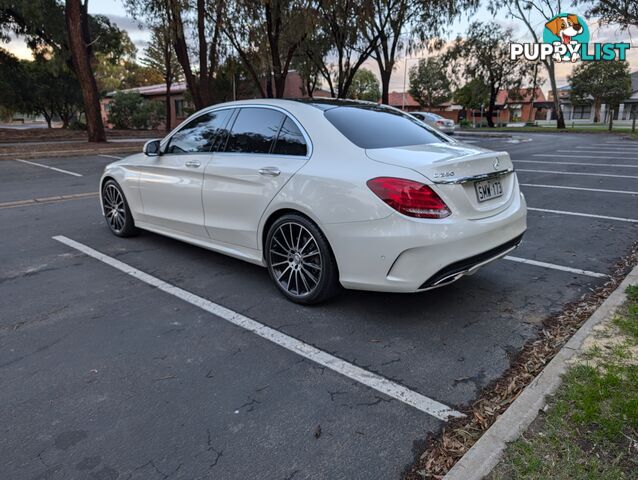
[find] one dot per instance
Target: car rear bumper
(399, 254)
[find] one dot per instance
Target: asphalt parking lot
(106, 376)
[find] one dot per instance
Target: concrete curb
(486, 452)
(470, 133)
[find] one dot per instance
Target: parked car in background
(324, 194)
(437, 121)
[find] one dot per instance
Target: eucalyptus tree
(402, 24)
(430, 83)
(623, 13)
(199, 18)
(484, 53)
(343, 23)
(365, 86)
(68, 30)
(267, 35)
(528, 12)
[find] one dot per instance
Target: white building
(585, 113)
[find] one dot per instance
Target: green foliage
(619, 12)
(160, 57)
(606, 82)
(118, 69)
(628, 323)
(129, 110)
(473, 94)
(365, 86)
(42, 24)
(44, 86)
(484, 53)
(430, 84)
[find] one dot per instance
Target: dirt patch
(457, 437)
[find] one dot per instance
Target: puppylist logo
(566, 39)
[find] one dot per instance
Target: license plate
(488, 189)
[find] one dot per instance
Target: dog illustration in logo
(565, 28)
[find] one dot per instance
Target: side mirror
(152, 148)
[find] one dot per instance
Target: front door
(171, 184)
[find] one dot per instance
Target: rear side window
(254, 130)
(200, 134)
(378, 127)
(290, 140)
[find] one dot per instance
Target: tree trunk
(168, 78)
(385, 85)
(490, 108)
(204, 83)
(560, 119)
(65, 116)
(79, 41)
(181, 51)
(597, 110)
(169, 110)
(611, 118)
(47, 118)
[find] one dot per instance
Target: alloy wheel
(114, 209)
(295, 259)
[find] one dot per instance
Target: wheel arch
(277, 214)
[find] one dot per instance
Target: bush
(76, 124)
(129, 110)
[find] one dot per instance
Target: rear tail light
(440, 122)
(410, 198)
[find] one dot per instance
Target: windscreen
(379, 127)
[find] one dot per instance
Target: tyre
(300, 260)
(116, 212)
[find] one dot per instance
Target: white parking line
(623, 151)
(578, 173)
(577, 163)
(561, 187)
(578, 214)
(47, 166)
(372, 380)
(604, 145)
(555, 267)
(562, 155)
(109, 156)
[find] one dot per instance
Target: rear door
(171, 184)
(265, 147)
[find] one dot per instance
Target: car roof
(323, 103)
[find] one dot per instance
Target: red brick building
(181, 108)
(512, 106)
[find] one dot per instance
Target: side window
(254, 130)
(199, 134)
(290, 140)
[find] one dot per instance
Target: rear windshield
(379, 127)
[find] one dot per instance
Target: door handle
(269, 171)
(193, 164)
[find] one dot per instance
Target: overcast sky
(115, 11)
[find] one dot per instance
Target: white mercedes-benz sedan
(324, 194)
